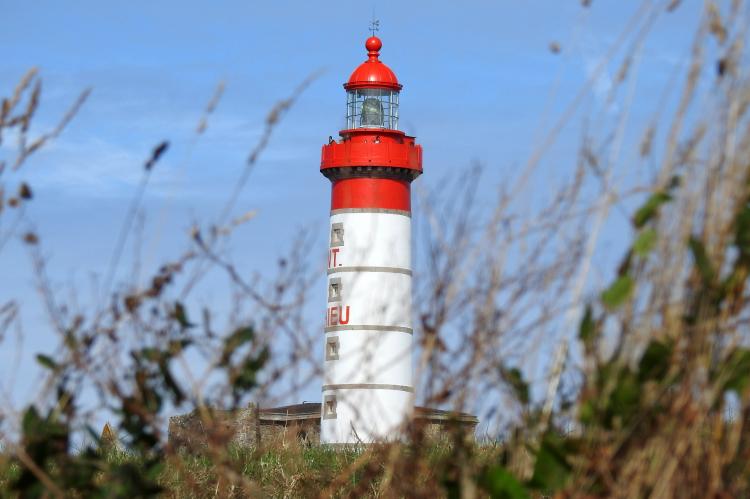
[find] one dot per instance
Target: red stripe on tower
(377, 193)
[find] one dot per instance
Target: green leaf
(655, 361)
(46, 442)
(234, 341)
(587, 329)
(246, 375)
(702, 262)
(151, 354)
(623, 402)
(586, 413)
(645, 242)
(737, 367)
(515, 379)
(46, 361)
(618, 292)
(552, 470)
(130, 480)
(31, 421)
(650, 208)
(500, 483)
(180, 315)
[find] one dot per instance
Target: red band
(382, 193)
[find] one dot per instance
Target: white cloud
(90, 166)
(99, 166)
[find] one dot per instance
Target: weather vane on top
(374, 25)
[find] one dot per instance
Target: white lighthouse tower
(368, 390)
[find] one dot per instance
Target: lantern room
(371, 137)
(372, 92)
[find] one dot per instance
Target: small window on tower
(329, 407)
(334, 289)
(332, 348)
(337, 234)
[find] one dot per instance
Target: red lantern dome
(372, 73)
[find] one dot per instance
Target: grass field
(651, 366)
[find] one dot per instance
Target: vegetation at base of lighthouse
(645, 388)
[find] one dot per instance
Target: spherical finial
(373, 44)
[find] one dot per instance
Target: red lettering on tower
(341, 316)
(334, 316)
(332, 257)
(337, 315)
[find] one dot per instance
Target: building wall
(192, 432)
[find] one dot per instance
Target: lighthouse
(368, 391)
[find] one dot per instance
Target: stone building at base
(298, 422)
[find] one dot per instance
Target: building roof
(305, 410)
(311, 410)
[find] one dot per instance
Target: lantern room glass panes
(372, 108)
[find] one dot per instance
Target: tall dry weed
(646, 385)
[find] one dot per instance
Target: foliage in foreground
(661, 409)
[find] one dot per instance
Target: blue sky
(480, 85)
